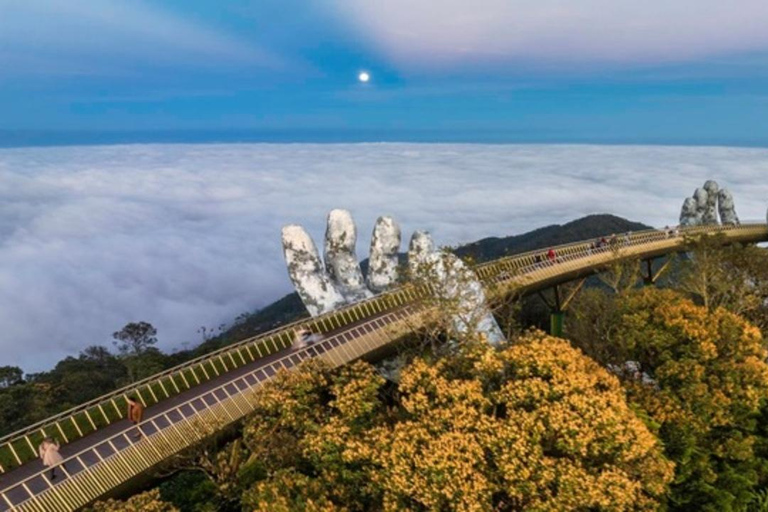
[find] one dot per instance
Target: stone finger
(726, 208)
(710, 212)
(340, 260)
(688, 214)
(382, 263)
(472, 314)
(306, 272)
(420, 248)
(700, 195)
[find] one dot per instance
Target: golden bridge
(101, 452)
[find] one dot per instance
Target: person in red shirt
(551, 256)
(135, 414)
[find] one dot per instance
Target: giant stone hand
(706, 203)
(339, 281)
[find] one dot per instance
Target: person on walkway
(551, 256)
(49, 452)
(305, 337)
(135, 413)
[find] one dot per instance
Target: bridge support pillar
(650, 277)
(556, 321)
(558, 307)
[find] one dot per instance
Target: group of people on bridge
(550, 257)
(49, 448)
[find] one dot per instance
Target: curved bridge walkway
(218, 389)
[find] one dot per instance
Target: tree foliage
(10, 375)
(145, 502)
(700, 376)
(734, 277)
(535, 426)
(224, 470)
(135, 338)
(622, 273)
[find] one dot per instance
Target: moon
(363, 77)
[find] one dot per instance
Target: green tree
(18, 407)
(135, 338)
(136, 345)
(700, 376)
(224, 470)
(10, 375)
(731, 276)
(622, 273)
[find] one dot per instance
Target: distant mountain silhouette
(290, 308)
(591, 226)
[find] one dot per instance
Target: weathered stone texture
(324, 288)
(382, 263)
(706, 204)
(688, 215)
(709, 216)
(727, 208)
(340, 259)
(314, 286)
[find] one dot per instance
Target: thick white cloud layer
(431, 33)
(189, 235)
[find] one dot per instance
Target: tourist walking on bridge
(304, 338)
(135, 413)
(49, 453)
(552, 256)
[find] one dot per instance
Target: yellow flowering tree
(701, 375)
(534, 426)
(145, 502)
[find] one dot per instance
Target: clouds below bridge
(189, 235)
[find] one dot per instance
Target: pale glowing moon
(364, 77)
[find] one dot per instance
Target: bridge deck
(111, 455)
(200, 397)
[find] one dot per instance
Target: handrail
(485, 271)
(317, 322)
(152, 378)
(564, 262)
(682, 230)
(177, 408)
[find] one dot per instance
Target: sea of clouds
(185, 236)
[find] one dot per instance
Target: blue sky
(674, 71)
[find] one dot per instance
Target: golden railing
(122, 457)
(384, 318)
